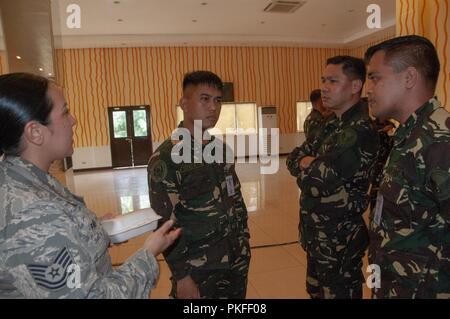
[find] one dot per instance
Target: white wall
(91, 157)
(290, 141)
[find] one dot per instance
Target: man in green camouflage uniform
(410, 226)
(314, 121)
(333, 174)
(212, 256)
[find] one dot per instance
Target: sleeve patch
(54, 276)
(347, 138)
(158, 171)
(441, 180)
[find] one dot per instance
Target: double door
(130, 135)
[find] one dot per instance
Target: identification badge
(230, 185)
(378, 209)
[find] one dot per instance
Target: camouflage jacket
(206, 202)
(51, 245)
(313, 124)
(410, 227)
(334, 187)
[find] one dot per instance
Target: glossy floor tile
(278, 265)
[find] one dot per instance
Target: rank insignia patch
(54, 276)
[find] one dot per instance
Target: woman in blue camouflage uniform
(51, 245)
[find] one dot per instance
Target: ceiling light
(204, 3)
(262, 22)
(119, 20)
(18, 57)
(41, 69)
(116, 2)
(194, 20)
(50, 74)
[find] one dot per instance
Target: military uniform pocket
(210, 254)
(406, 275)
(198, 232)
(196, 185)
(397, 203)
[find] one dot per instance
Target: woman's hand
(162, 238)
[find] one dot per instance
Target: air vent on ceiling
(284, 6)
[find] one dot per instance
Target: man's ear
(357, 86)
(410, 77)
(34, 133)
(183, 103)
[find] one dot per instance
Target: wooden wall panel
(97, 78)
(429, 18)
(361, 50)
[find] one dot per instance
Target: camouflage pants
(220, 283)
(334, 260)
(406, 275)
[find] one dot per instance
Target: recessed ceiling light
(351, 10)
(18, 57)
(119, 20)
(41, 69)
(116, 2)
(262, 22)
(323, 24)
(204, 3)
(50, 74)
(194, 20)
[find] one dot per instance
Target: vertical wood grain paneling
(97, 78)
(429, 18)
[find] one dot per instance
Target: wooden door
(130, 135)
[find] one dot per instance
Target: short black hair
(23, 98)
(354, 68)
(315, 95)
(202, 77)
(411, 50)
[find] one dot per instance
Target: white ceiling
(322, 23)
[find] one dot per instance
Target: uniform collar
(358, 108)
(404, 130)
(316, 112)
(347, 116)
(211, 137)
(40, 178)
(23, 166)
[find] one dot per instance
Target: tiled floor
(272, 200)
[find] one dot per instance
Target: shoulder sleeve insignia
(158, 171)
(347, 138)
(441, 180)
(54, 276)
